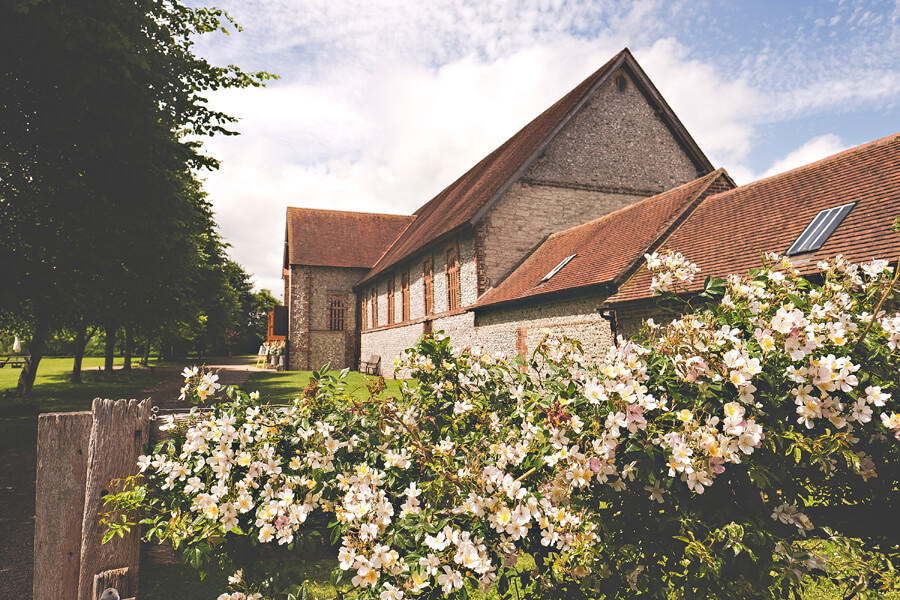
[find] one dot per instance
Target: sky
(381, 104)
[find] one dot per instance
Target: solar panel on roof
(556, 269)
(822, 226)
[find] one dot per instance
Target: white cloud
(716, 108)
(385, 102)
(813, 150)
(411, 132)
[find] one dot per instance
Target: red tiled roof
(728, 231)
(607, 249)
(336, 238)
(464, 201)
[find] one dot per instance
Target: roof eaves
(386, 250)
(377, 270)
(603, 288)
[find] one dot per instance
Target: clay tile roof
(336, 238)
(608, 249)
(464, 201)
(728, 231)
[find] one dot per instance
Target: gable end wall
(615, 151)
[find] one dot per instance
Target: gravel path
(17, 476)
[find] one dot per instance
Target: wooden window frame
(451, 269)
(428, 283)
(390, 300)
(364, 313)
(374, 307)
(337, 314)
(404, 296)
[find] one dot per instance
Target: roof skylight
(557, 268)
(821, 227)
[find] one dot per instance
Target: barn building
(549, 232)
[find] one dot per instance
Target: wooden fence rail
(78, 455)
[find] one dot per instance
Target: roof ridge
(657, 215)
(348, 212)
(824, 160)
(471, 195)
(677, 219)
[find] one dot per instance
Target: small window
(374, 300)
(404, 296)
(452, 268)
(428, 281)
(822, 226)
(557, 268)
(390, 299)
(364, 316)
(336, 312)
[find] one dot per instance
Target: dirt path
(17, 476)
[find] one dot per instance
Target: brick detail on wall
(519, 330)
(521, 341)
(467, 274)
(527, 213)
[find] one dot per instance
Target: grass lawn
(53, 392)
(284, 386)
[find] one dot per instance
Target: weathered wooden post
(118, 434)
(62, 460)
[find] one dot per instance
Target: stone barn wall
(311, 343)
(613, 152)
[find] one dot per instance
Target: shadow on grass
(55, 392)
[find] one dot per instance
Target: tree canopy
(101, 214)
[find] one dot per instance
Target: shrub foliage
(740, 451)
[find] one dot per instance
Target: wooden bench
(371, 366)
(14, 362)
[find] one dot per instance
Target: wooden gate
(78, 454)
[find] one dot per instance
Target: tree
(97, 194)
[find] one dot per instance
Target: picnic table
(14, 361)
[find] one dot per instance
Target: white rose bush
(748, 447)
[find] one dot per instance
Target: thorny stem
(527, 474)
(878, 307)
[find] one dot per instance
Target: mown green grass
(284, 386)
(54, 392)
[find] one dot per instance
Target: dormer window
(817, 232)
(557, 268)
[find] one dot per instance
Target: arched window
(364, 313)
(428, 279)
(404, 296)
(390, 299)
(452, 268)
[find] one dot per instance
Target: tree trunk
(80, 343)
(146, 360)
(126, 361)
(110, 346)
(35, 352)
